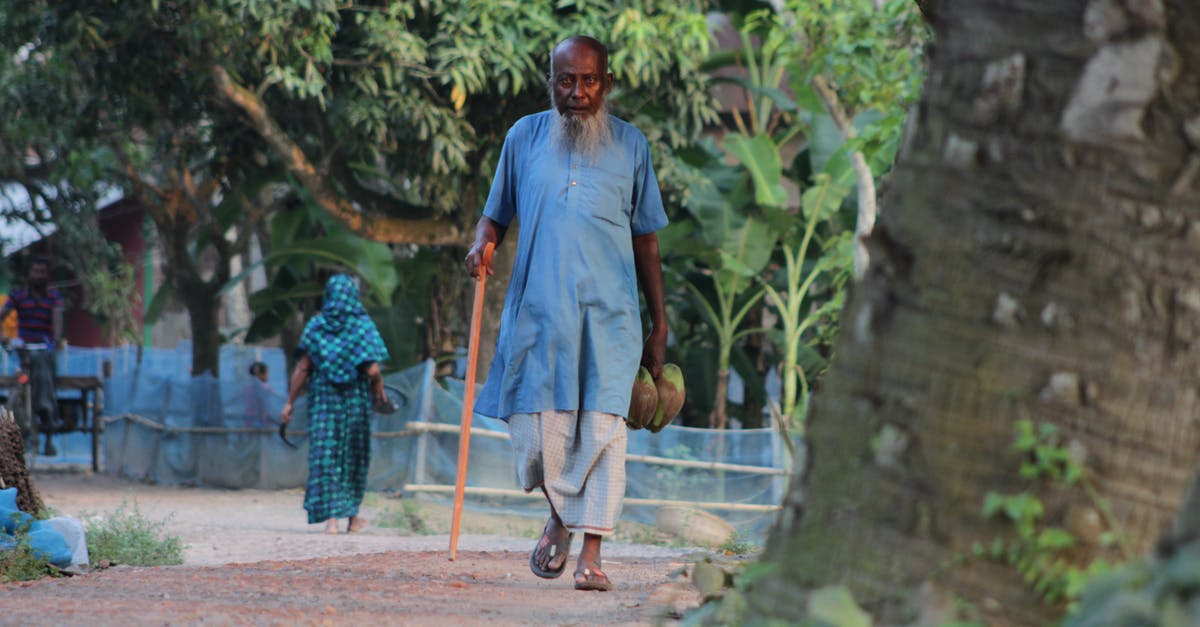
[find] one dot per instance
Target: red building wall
(120, 222)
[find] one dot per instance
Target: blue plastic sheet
(221, 432)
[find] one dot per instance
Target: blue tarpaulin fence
(165, 426)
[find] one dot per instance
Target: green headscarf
(342, 336)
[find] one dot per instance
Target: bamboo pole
(508, 492)
(468, 407)
(647, 459)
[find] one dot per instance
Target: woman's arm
(299, 377)
(375, 377)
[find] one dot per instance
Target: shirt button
(572, 183)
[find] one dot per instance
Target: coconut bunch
(656, 402)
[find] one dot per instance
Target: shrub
(128, 537)
(408, 517)
(18, 561)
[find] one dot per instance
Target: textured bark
(1034, 261)
(181, 209)
(13, 472)
(204, 309)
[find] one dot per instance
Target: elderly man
(583, 190)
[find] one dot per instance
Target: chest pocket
(608, 193)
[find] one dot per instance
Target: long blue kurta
(571, 332)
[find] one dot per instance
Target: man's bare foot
(357, 523)
(331, 526)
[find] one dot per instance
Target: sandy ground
(252, 559)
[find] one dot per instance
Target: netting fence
(165, 426)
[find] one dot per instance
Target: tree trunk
(718, 417)
(1034, 262)
(289, 339)
(204, 309)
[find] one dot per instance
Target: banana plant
(726, 245)
(304, 246)
(741, 205)
(798, 313)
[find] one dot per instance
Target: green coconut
(671, 394)
(644, 402)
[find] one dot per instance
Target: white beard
(582, 135)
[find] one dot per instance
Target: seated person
(258, 395)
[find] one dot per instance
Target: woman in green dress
(340, 350)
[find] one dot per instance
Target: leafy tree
(390, 114)
(112, 86)
(387, 114)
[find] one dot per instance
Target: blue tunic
(571, 332)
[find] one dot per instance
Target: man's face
(39, 274)
(579, 81)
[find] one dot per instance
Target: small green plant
(1040, 551)
(737, 545)
(1157, 590)
(127, 537)
(21, 563)
(408, 516)
(18, 560)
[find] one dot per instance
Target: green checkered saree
(339, 341)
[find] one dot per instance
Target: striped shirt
(35, 315)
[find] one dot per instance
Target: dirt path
(251, 559)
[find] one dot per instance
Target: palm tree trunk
(1034, 262)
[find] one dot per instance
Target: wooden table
(91, 395)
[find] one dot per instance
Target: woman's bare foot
(331, 526)
(357, 523)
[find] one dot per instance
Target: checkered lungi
(579, 457)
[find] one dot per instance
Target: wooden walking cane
(468, 408)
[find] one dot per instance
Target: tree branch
(368, 225)
(867, 206)
(144, 189)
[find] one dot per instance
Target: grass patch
(406, 515)
(19, 562)
(420, 516)
(127, 537)
(631, 532)
(737, 545)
